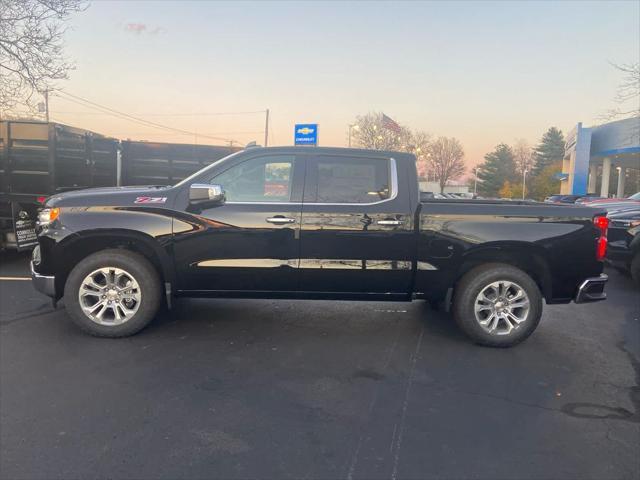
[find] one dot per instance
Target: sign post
(305, 134)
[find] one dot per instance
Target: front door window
(262, 179)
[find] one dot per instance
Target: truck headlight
(36, 256)
(48, 215)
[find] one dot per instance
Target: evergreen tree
(546, 183)
(499, 167)
(549, 151)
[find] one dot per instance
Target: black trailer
(153, 163)
(39, 159)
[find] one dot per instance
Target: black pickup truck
(315, 223)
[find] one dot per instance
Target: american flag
(390, 124)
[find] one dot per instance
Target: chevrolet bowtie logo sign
(305, 134)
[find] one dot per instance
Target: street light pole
(524, 182)
(352, 126)
(475, 181)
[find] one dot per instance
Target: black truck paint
(393, 247)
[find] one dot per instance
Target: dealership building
(594, 154)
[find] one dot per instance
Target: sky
(484, 72)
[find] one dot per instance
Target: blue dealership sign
(306, 134)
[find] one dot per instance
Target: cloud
(136, 28)
(140, 28)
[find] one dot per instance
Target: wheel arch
(79, 246)
(526, 256)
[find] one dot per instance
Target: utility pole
(524, 182)
(266, 128)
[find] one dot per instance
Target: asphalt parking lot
(309, 389)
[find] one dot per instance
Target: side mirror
(203, 192)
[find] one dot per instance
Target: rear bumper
(43, 283)
(592, 289)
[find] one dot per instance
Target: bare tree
(523, 156)
(628, 92)
(31, 48)
(371, 133)
(446, 160)
(417, 143)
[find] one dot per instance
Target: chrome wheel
(501, 307)
(109, 296)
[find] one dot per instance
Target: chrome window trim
(262, 203)
(394, 194)
(306, 263)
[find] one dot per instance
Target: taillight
(602, 224)
(41, 199)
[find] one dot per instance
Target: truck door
(250, 243)
(357, 227)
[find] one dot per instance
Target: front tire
(113, 293)
(497, 305)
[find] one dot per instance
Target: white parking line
(15, 278)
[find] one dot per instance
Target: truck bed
(556, 241)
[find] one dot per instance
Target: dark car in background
(569, 198)
(599, 201)
(614, 205)
(590, 198)
(624, 241)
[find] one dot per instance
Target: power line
(197, 114)
(126, 116)
(101, 112)
(133, 120)
(128, 132)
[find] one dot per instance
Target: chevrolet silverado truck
(314, 223)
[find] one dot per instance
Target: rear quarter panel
(559, 241)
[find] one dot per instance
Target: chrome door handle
(280, 220)
(389, 222)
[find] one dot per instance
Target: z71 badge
(151, 199)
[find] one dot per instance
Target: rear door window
(344, 179)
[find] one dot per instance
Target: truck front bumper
(43, 283)
(592, 289)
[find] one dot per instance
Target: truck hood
(112, 196)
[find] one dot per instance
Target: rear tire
(112, 293)
(497, 305)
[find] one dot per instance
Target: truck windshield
(191, 177)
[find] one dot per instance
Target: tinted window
(351, 180)
(262, 179)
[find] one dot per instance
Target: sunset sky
(484, 72)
